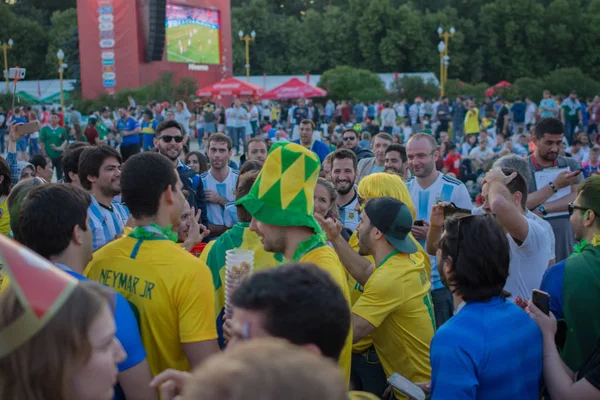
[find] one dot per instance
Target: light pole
(60, 54)
(442, 49)
(5, 47)
(247, 38)
(444, 57)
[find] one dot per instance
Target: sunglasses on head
(168, 139)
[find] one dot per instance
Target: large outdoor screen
(193, 35)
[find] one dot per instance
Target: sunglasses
(347, 138)
(168, 139)
(573, 207)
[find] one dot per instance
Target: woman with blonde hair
(57, 335)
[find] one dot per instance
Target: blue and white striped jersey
(106, 224)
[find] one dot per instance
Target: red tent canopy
(491, 91)
(294, 89)
(230, 87)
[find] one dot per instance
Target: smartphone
(26, 129)
(419, 222)
(451, 210)
(406, 387)
(541, 300)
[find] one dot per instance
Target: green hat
(283, 193)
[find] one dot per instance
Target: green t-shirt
(102, 130)
(56, 137)
(571, 108)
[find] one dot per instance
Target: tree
(63, 30)
(347, 83)
(409, 87)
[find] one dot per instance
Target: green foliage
(347, 83)
(163, 89)
(455, 88)
(63, 24)
(6, 101)
(409, 87)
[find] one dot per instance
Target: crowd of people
(386, 238)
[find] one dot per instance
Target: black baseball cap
(394, 219)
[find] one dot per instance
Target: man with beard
(281, 203)
(551, 200)
(488, 340)
(395, 309)
(99, 174)
(350, 142)
(426, 188)
(169, 289)
(372, 165)
(395, 158)
(219, 183)
(572, 283)
(169, 141)
(343, 175)
(307, 128)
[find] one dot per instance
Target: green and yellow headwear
(283, 193)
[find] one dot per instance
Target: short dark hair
(257, 140)
(551, 126)
(15, 199)
(47, 228)
(144, 178)
(220, 138)
(244, 184)
(169, 123)
(301, 303)
(38, 160)
(480, 266)
(7, 181)
(400, 149)
(91, 160)
(589, 193)
(576, 142)
(70, 159)
(453, 146)
(308, 122)
(350, 130)
(342, 154)
(518, 184)
(384, 136)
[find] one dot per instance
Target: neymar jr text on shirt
(129, 283)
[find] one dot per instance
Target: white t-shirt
(216, 213)
(445, 188)
(529, 261)
(350, 218)
(482, 154)
(184, 119)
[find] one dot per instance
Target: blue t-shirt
(359, 111)
(588, 169)
(318, 147)
(518, 110)
(371, 111)
(128, 331)
(487, 351)
(552, 283)
(128, 125)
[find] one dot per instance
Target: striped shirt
(488, 350)
(445, 188)
(106, 224)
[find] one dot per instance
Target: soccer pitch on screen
(193, 43)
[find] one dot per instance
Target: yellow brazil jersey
(170, 291)
(472, 121)
(397, 302)
(4, 216)
(326, 258)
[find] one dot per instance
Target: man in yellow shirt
(170, 291)
(281, 203)
(395, 308)
(471, 118)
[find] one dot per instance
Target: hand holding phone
(541, 300)
(25, 129)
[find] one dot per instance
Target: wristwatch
(542, 210)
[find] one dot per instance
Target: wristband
(553, 187)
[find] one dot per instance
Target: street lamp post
(60, 54)
(247, 38)
(5, 47)
(444, 57)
